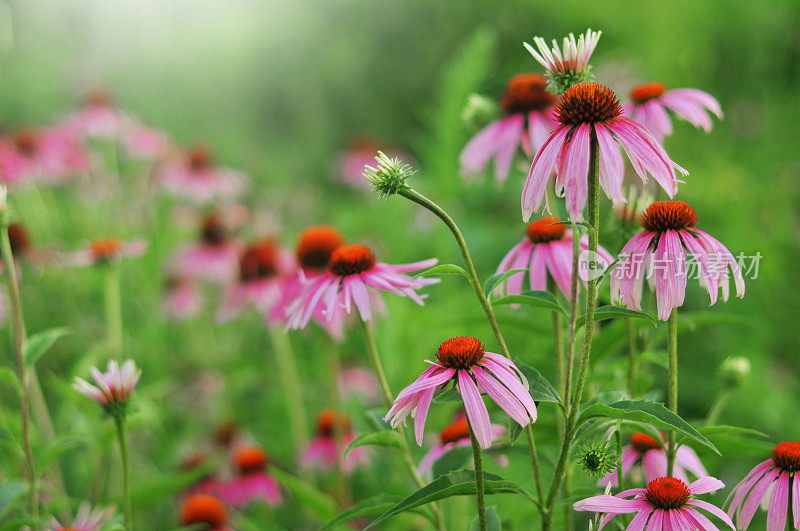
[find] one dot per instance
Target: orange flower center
(667, 493)
(203, 509)
(249, 459)
(786, 456)
(315, 246)
(26, 140)
(213, 232)
(543, 230)
(643, 442)
(18, 238)
(456, 431)
(259, 261)
(351, 260)
(526, 93)
(587, 103)
(199, 157)
(105, 248)
(662, 216)
(328, 419)
(647, 91)
(99, 98)
(460, 352)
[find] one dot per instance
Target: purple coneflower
(204, 509)
(41, 155)
(196, 177)
(650, 102)
(321, 453)
(216, 255)
(112, 388)
(104, 250)
(252, 482)
(86, 519)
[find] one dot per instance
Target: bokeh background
(279, 89)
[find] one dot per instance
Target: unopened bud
(389, 177)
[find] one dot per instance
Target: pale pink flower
(252, 482)
(98, 118)
(464, 361)
(105, 250)
(182, 298)
(111, 388)
(526, 98)
(456, 435)
(667, 504)
(547, 250)
(351, 271)
(141, 142)
(650, 102)
(196, 177)
(660, 253)
(86, 519)
(215, 256)
(321, 451)
(360, 382)
(571, 58)
(648, 453)
(48, 155)
(780, 473)
(586, 111)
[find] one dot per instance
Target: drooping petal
(713, 509)
(475, 408)
(611, 165)
(504, 398)
(756, 495)
(779, 504)
(422, 413)
(574, 170)
(705, 485)
(542, 167)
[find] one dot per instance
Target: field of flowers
(399, 265)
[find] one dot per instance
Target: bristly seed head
(667, 493)
(597, 458)
(315, 246)
(587, 103)
(390, 175)
(662, 216)
(643, 442)
(248, 459)
(259, 261)
(786, 456)
(647, 91)
(526, 93)
(351, 259)
(458, 430)
(544, 230)
(213, 232)
(461, 352)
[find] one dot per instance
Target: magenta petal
(713, 509)
(422, 413)
(542, 167)
(475, 408)
(779, 504)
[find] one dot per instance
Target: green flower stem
(338, 431)
(293, 391)
(113, 308)
(630, 331)
(672, 354)
(122, 435)
(480, 496)
(22, 369)
(583, 370)
(719, 405)
(537, 473)
(558, 340)
(372, 350)
(573, 316)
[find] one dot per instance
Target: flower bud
(389, 177)
(479, 111)
(597, 458)
(734, 371)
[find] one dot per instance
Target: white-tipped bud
(569, 64)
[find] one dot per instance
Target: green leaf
(376, 438)
(323, 506)
(58, 448)
(492, 521)
(540, 388)
(514, 431)
(539, 299)
(375, 417)
(443, 269)
(498, 278)
(452, 460)
(451, 395)
(457, 483)
(644, 411)
(38, 344)
(8, 375)
(9, 491)
(611, 312)
(159, 487)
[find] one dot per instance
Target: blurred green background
(280, 88)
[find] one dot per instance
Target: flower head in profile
(205, 509)
(112, 388)
(781, 475)
(352, 274)
(651, 101)
(667, 504)
(569, 64)
(195, 176)
(321, 453)
(647, 452)
(105, 250)
(252, 482)
(455, 435)
(464, 361)
(215, 256)
(546, 250)
(526, 103)
(660, 252)
(86, 519)
(49, 155)
(589, 114)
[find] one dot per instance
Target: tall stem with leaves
(480, 495)
(672, 354)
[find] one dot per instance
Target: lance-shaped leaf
(443, 269)
(370, 507)
(613, 312)
(537, 299)
(389, 438)
(38, 344)
(498, 278)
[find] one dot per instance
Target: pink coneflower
(464, 361)
(196, 177)
(454, 435)
(263, 267)
(546, 250)
(321, 451)
(141, 142)
(660, 252)
(351, 270)
(113, 387)
(314, 248)
(571, 59)
(360, 154)
(586, 111)
(86, 519)
(780, 473)
(667, 504)
(360, 382)
(526, 96)
(182, 298)
(98, 118)
(648, 453)
(216, 255)
(203, 485)
(106, 250)
(650, 102)
(205, 509)
(252, 481)
(42, 155)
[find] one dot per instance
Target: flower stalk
(287, 369)
(480, 495)
(120, 419)
(113, 308)
(672, 354)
